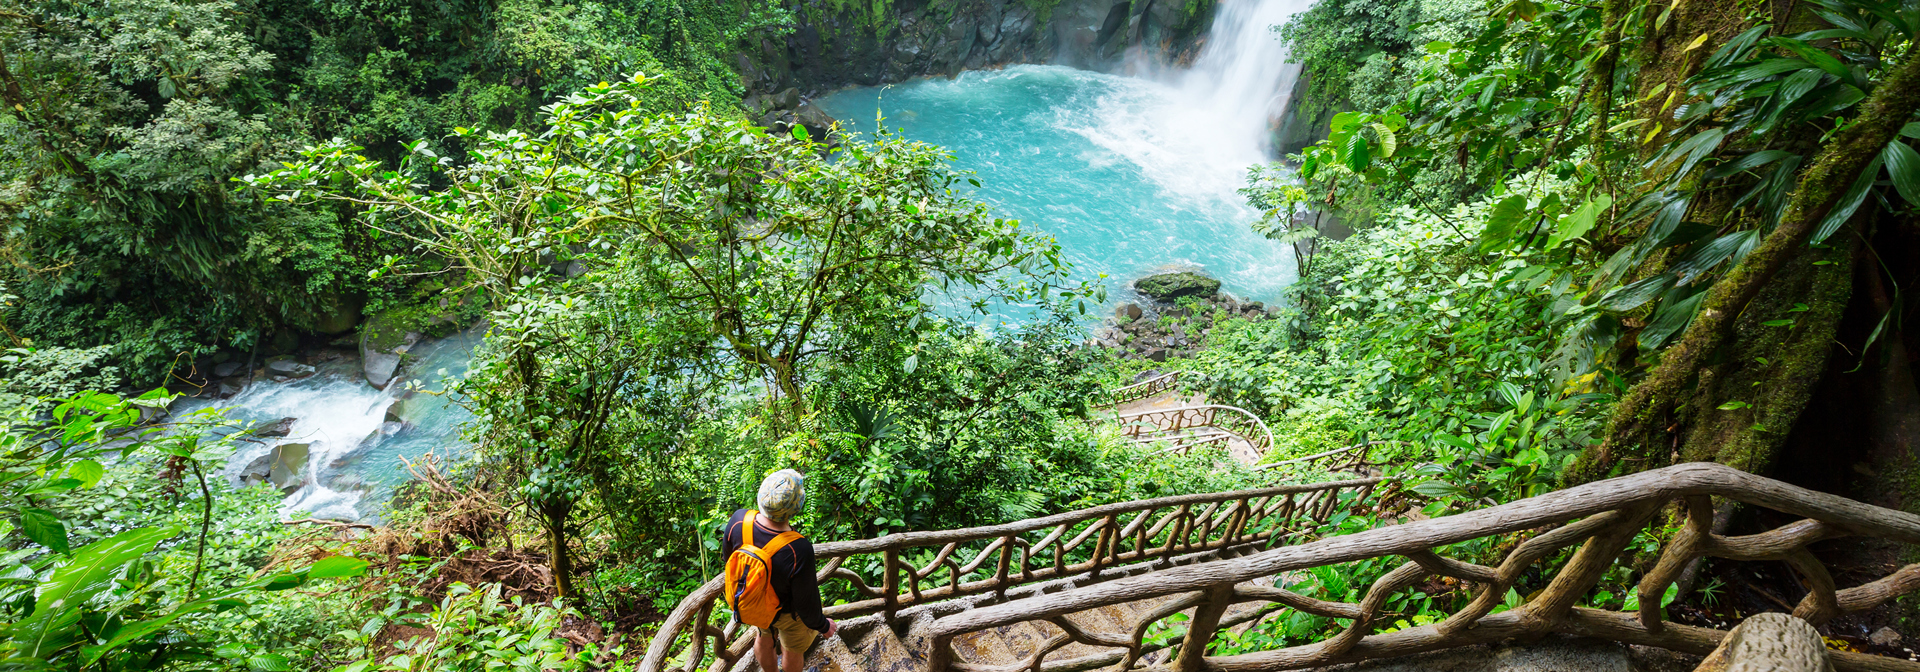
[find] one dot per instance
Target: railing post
(1108, 536)
(1206, 620)
(1006, 562)
(890, 583)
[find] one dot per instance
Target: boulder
(289, 467)
(225, 369)
(1127, 310)
(256, 471)
(281, 427)
(289, 368)
(338, 313)
(818, 124)
(1169, 286)
(1885, 637)
(230, 387)
(1156, 354)
(379, 367)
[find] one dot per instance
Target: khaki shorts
(791, 633)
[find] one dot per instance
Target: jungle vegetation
(1584, 240)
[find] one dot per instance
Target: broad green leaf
(1814, 55)
(77, 582)
(1748, 162)
(1903, 165)
(1344, 122)
(1710, 255)
(1577, 224)
(1671, 319)
(45, 529)
(88, 472)
(1387, 141)
(1734, 405)
(1502, 220)
(1849, 202)
(337, 566)
(1356, 153)
(1632, 296)
(269, 662)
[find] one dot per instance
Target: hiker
(771, 580)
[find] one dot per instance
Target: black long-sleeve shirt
(794, 576)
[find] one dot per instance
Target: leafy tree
(1702, 234)
(619, 248)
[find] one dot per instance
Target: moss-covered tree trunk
(1676, 411)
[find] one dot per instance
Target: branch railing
(1600, 518)
(1188, 427)
(1144, 389)
(896, 572)
(1354, 459)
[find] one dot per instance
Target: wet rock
(225, 369)
(257, 471)
(1885, 637)
(819, 124)
(230, 387)
(289, 368)
(378, 367)
(288, 470)
(1168, 286)
(281, 427)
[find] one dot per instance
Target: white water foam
(1195, 131)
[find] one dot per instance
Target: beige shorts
(791, 633)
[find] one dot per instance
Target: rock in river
(1168, 286)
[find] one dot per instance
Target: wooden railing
(1187, 427)
(1144, 389)
(895, 572)
(1602, 518)
(1354, 459)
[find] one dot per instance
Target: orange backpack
(749, 575)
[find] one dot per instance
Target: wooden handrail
(1233, 419)
(1196, 527)
(1608, 513)
(1145, 388)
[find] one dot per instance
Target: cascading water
(356, 434)
(1132, 174)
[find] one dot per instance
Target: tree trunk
(555, 514)
(1640, 433)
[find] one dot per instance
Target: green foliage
(32, 376)
(92, 582)
(476, 630)
(653, 261)
(128, 120)
(1401, 333)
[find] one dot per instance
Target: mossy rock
(1169, 286)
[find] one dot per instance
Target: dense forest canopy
(1539, 243)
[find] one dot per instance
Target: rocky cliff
(851, 43)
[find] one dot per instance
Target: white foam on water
(1196, 131)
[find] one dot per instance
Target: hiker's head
(782, 495)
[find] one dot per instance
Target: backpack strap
(746, 527)
(780, 541)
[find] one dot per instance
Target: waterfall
(1195, 131)
(1242, 75)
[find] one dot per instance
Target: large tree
(621, 250)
